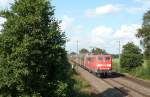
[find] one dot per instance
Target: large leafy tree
(73, 53)
(131, 56)
(33, 60)
(83, 51)
(144, 34)
(98, 51)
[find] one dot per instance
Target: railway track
(123, 91)
(123, 87)
(139, 92)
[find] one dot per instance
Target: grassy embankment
(140, 72)
(82, 87)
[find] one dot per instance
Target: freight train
(100, 65)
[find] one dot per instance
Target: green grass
(146, 63)
(140, 72)
(115, 65)
(143, 71)
(81, 84)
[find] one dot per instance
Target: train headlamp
(99, 65)
(109, 65)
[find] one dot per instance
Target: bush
(131, 56)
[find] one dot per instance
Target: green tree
(98, 51)
(131, 56)
(33, 61)
(83, 51)
(144, 34)
(73, 53)
(115, 55)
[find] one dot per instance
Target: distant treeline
(115, 55)
(86, 51)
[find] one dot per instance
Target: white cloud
(100, 34)
(143, 1)
(134, 10)
(106, 38)
(90, 13)
(97, 37)
(66, 22)
(126, 33)
(145, 4)
(72, 30)
(69, 26)
(102, 10)
(5, 3)
(107, 9)
(2, 20)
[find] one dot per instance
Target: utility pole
(119, 51)
(77, 60)
(77, 47)
(119, 55)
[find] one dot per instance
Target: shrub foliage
(131, 56)
(144, 34)
(33, 60)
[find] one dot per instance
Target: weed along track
(114, 86)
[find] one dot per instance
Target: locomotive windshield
(107, 58)
(100, 58)
(90, 58)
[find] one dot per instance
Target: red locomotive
(98, 64)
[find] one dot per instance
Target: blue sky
(97, 23)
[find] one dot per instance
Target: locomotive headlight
(109, 65)
(99, 65)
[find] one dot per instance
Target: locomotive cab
(98, 64)
(104, 64)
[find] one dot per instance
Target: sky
(97, 23)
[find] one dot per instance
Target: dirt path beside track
(114, 86)
(103, 88)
